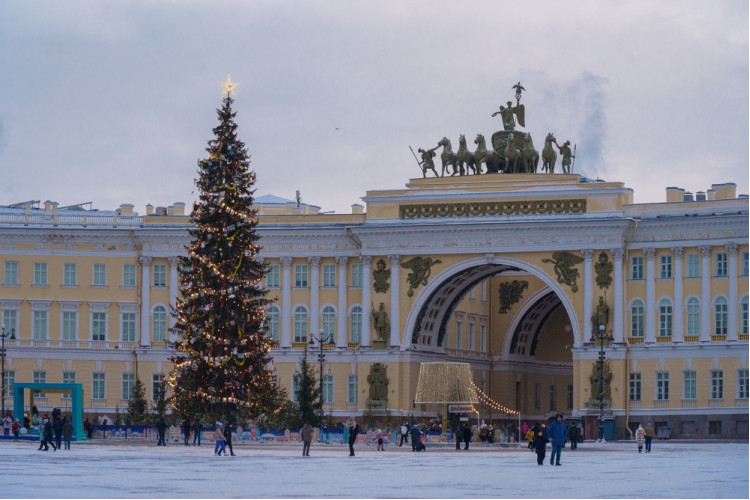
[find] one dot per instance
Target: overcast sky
(114, 102)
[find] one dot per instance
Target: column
(677, 306)
(588, 294)
(286, 303)
(618, 255)
(650, 295)
(366, 310)
(314, 294)
(732, 309)
(395, 318)
(341, 340)
(705, 293)
(145, 300)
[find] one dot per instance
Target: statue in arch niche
(378, 381)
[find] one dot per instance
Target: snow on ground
(596, 470)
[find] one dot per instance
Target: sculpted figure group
(511, 151)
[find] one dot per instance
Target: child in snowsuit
(540, 446)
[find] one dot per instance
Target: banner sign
(461, 408)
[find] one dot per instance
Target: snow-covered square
(595, 470)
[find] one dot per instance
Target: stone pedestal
(378, 345)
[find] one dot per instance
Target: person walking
(104, 429)
(305, 435)
(466, 435)
(640, 437)
(573, 436)
(57, 428)
(186, 428)
(416, 434)
(47, 435)
(161, 430)
(649, 436)
(88, 428)
(557, 433)
(353, 432)
(16, 428)
(540, 446)
(404, 433)
(219, 440)
(228, 438)
(379, 437)
(197, 431)
(67, 431)
(7, 424)
(530, 435)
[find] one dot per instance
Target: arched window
(355, 325)
(159, 323)
(720, 316)
(272, 319)
(693, 316)
(300, 324)
(665, 318)
(636, 318)
(329, 323)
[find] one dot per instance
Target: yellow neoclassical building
(528, 278)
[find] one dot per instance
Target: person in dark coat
(47, 435)
(88, 428)
(104, 429)
(415, 438)
(353, 438)
(573, 436)
(228, 438)
(186, 428)
(67, 430)
(161, 429)
(306, 435)
(540, 446)
(466, 436)
(459, 436)
(57, 428)
(197, 431)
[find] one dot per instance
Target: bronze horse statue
(492, 161)
(466, 159)
(549, 155)
(448, 157)
(513, 163)
(530, 155)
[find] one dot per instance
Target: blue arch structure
(76, 391)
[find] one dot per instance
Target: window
(356, 325)
(537, 402)
(329, 323)
(662, 386)
(744, 263)
(300, 324)
(328, 389)
(10, 319)
(98, 326)
(127, 326)
(69, 325)
(720, 316)
(40, 274)
(720, 263)
(636, 268)
(300, 275)
(742, 384)
(717, 384)
(273, 275)
(68, 378)
(357, 274)
(636, 319)
(693, 265)
(635, 387)
(39, 378)
(295, 388)
(743, 312)
(11, 273)
(665, 266)
(472, 328)
(689, 381)
(693, 316)
(552, 401)
(70, 274)
(156, 385)
(10, 382)
(329, 275)
(272, 318)
(100, 275)
(128, 382)
(39, 325)
(665, 318)
(97, 386)
(128, 275)
(459, 334)
(570, 396)
(483, 339)
(352, 393)
(159, 324)
(484, 291)
(160, 275)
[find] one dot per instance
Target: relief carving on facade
(420, 272)
(510, 293)
(563, 267)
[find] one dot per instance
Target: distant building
(505, 272)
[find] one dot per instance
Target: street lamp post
(321, 339)
(11, 336)
(601, 336)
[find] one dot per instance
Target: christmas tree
(308, 394)
(222, 362)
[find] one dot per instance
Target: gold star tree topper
(229, 86)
